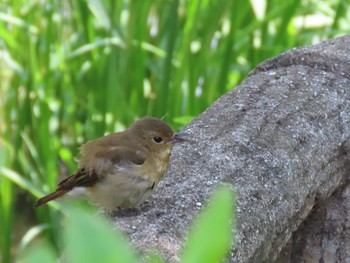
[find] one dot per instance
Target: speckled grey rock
(325, 235)
(280, 138)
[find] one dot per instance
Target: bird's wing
(88, 177)
(82, 177)
(123, 155)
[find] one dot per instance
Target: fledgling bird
(123, 168)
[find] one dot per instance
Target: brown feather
(123, 154)
(80, 178)
(50, 197)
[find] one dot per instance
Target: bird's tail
(50, 197)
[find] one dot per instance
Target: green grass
(74, 70)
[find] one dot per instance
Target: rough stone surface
(325, 235)
(281, 138)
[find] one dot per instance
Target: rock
(281, 138)
(325, 235)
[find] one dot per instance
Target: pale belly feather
(125, 188)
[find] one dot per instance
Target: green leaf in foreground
(90, 239)
(41, 252)
(210, 239)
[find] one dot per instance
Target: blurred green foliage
(74, 70)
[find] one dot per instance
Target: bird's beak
(179, 137)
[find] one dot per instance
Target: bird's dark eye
(157, 139)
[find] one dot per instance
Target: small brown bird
(123, 168)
